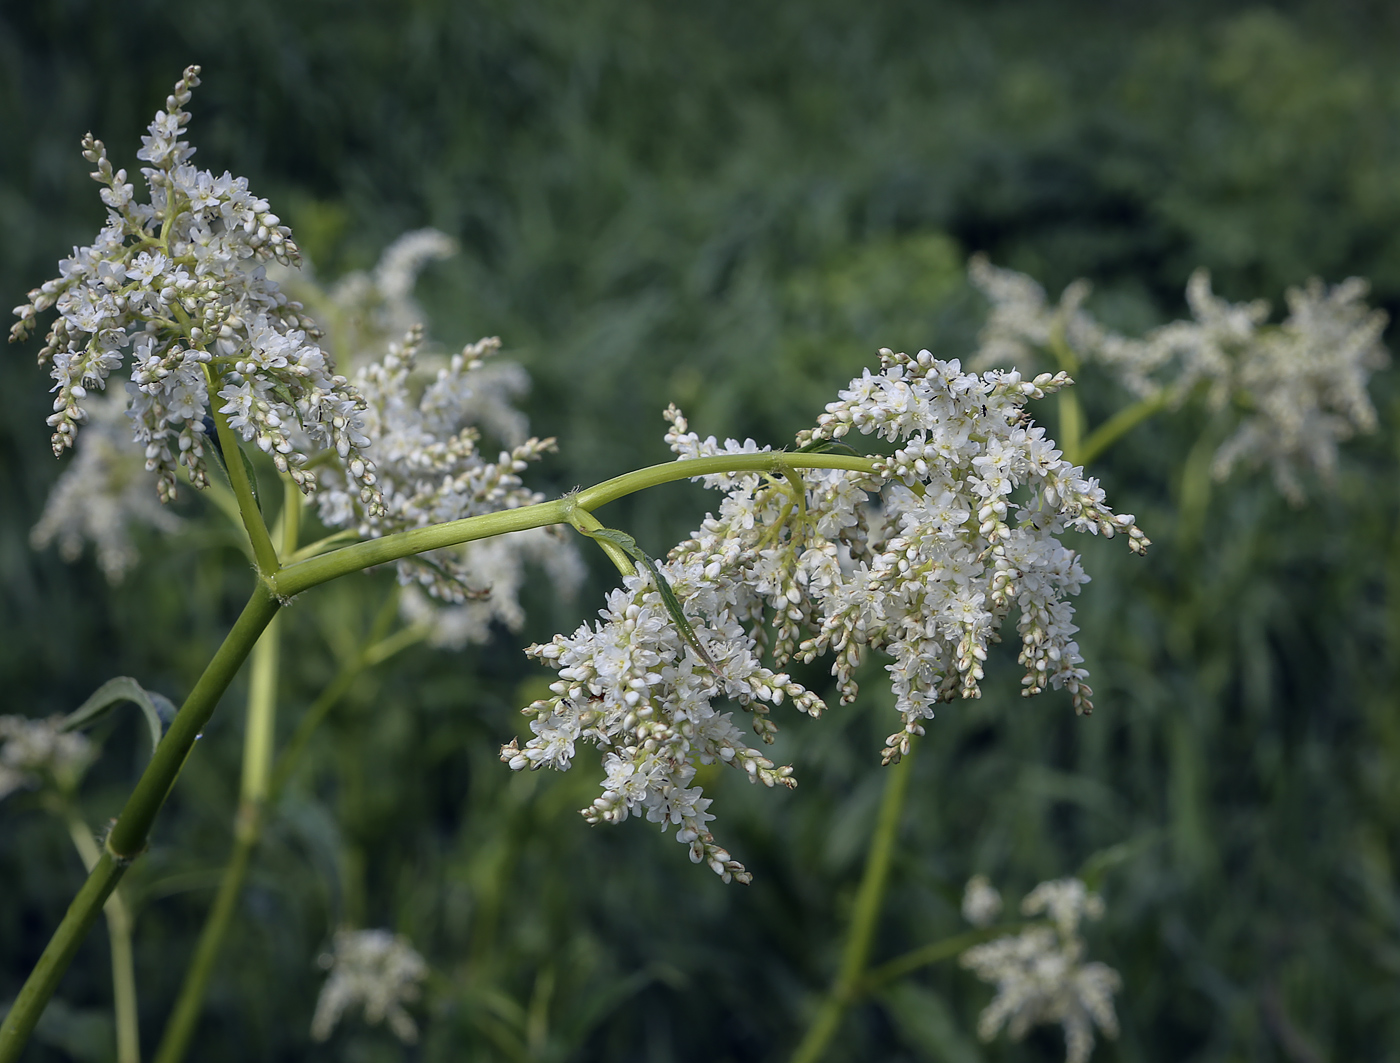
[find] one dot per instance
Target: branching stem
(128, 837)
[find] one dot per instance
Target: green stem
(180, 1028)
(847, 988)
(181, 1025)
(1117, 426)
(881, 976)
(1071, 424)
(291, 515)
(119, 933)
(312, 572)
(263, 550)
(261, 729)
(586, 523)
(127, 839)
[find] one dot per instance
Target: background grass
(731, 206)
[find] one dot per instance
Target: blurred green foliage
(730, 206)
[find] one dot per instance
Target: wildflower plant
(920, 511)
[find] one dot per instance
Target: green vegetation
(730, 207)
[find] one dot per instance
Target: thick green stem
(847, 988)
(127, 839)
(252, 819)
(261, 728)
(304, 575)
(119, 933)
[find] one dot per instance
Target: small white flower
(33, 752)
(1040, 973)
(374, 970)
(981, 902)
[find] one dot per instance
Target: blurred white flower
(1040, 973)
(34, 752)
(376, 971)
(1299, 387)
(103, 494)
(981, 902)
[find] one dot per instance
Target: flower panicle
(919, 559)
(174, 290)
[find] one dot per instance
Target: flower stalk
(849, 984)
(128, 837)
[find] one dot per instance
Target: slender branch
(847, 988)
(879, 977)
(585, 522)
(127, 839)
(1117, 426)
(312, 572)
(263, 549)
(119, 933)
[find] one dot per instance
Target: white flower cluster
(1299, 386)
(103, 494)
(178, 286)
(962, 529)
(425, 440)
(1040, 973)
(375, 970)
(427, 420)
(33, 752)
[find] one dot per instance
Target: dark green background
(731, 206)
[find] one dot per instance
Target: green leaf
(628, 545)
(157, 708)
(212, 435)
(252, 477)
(822, 446)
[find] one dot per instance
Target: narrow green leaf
(629, 546)
(156, 708)
(822, 446)
(252, 478)
(213, 439)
